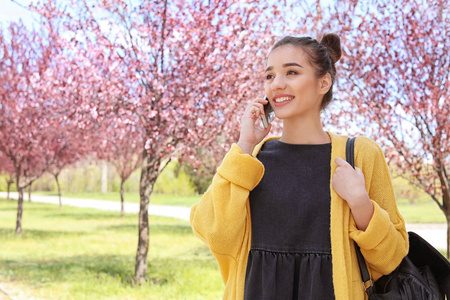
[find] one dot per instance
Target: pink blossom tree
(396, 69)
(7, 169)
(78, 146)
(21, 126)
(122, 144)
(39, 103)
(183, 70)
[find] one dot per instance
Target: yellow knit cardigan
(222, 219)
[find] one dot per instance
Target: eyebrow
(292, 64)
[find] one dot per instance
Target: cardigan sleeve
(385, 241)
(220, 215)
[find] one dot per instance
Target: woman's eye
(269, 76)
(291, 72)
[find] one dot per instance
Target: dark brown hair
(322, 56)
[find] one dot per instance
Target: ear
(325, 84)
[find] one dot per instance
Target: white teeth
(282, 99)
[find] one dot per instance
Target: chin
(283, 116)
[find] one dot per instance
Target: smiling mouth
(283, 99)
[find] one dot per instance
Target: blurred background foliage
(85, 177)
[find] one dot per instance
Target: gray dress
(290, 256)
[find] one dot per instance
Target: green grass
(161, 199)
(89, 254)
(421, 212)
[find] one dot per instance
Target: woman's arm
(384, 242)
(219, 217)
(350, 185)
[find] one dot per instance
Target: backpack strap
(365, 276)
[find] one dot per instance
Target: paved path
(435, 234)
(179, 212)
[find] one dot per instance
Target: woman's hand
(350, 185)
(252, 131)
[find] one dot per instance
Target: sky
(10, 11)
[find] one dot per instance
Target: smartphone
(268, 113)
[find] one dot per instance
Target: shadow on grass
(31, 207)
(176, 228)
(89, 214)
(8, 208)
(69, 212)
(202, 252)
(9, 233)
(122, 228)
(97, 267)
(155, 228)
(68, 268)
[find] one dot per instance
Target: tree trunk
(445, 187)
(59, 190)
(122, 211)
(19, 210)
(448, 234)
(29, 193)
(446, 209)
(8, 187)
(104, 179)
(149, 174)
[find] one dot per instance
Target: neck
(304, 131)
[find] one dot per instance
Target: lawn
(89, 254)
(163, 199)
(422, 211)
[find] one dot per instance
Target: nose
(278, 83)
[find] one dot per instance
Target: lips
(281, 100)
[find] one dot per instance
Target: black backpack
(423, 274)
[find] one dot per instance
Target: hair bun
(333, 44)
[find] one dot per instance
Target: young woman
(282, 214)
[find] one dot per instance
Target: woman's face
(291, 84)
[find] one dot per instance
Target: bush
(85, 177)
(174, 181)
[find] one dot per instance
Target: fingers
(252, 132)
(263, 130)
(256, 110)
(359, 171)
(256, 107)
(340, 162)
(260, 100)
